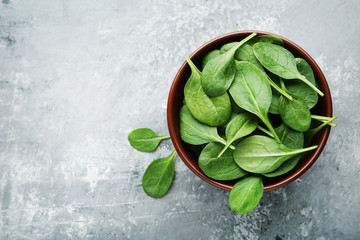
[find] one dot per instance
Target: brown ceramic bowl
(175, 102)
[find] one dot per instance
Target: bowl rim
(314, 156)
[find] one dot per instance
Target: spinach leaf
(295, 113)
(246, 194)
(158, 176)
(261, 154)
(305, 69)
(291, 139)
(144, 139)
(219, 168)
(304, 91)
(219, 72)
(245, 53)
(226, 47)
(266, 39)
(274, 106)
(210, 55)
(251, 91)
(281, 62)
(311, 133)
(213, 111)
(242, 125)
(194, 132)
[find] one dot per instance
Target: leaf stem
(270, 127)
(164, 136)
(297, 151)
(302, 78)
(278, 89)
(265, 131)
(324, 119)
(192, 65)
(220, 140)
(235, 47)
(172, 154)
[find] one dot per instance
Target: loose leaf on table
(219, 72)
(291, 139)
(281, 62)
(261, 154)
(210, 55)
(144, 139)
(194, 132)
(295, 113)
(311, 133)
(213, 111)
(241, 125)
(219, 168)
(246, 194)
(251, 91)
(158, 176)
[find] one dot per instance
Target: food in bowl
(231, 107)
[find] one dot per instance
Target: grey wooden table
(77, 76)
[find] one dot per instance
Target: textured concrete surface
(77, 76)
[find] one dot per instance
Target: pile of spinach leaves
(230, 109)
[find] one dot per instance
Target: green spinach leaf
(261, 154)
(158, 176)
(305, 69)
(251, 91)
(240, 126)
(144, 139)
(219, 168)
(295, 113)
(246, 194)
(194, 132)
(210, 55)
(281, 62)
(219, 72)
(213, 111)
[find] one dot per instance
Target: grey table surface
(77, 76)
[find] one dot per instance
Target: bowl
(175, 102)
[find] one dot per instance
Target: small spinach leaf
(158, 176)
(240, 126)
(246, 194)
(305, 69)
(219, 72)
(219, 168)
(295, 113)
(281, 62)
(213, 111)
(261, 154)
(251, 91)
(210, 55)
(194, 132)
(144, 139)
